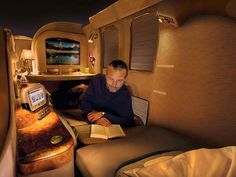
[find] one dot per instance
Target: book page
(98, 131)
(115, 130)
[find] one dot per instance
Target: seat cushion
(104, 159)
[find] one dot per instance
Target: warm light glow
(28, 60)
(27, 54)
(90, 41)
(160, 20)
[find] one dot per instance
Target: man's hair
(118, 65)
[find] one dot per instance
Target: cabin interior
(181, 58)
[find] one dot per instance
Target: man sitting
(107, 100)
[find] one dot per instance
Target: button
(56, 139)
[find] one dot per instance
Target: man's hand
(103, 121)
(79, 88)
(94, 115)
(97, 118)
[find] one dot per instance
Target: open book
(99, 131)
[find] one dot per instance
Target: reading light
(92, 36)
(28, 60)
(173, 12)
(90, 40)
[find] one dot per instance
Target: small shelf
(61, 77)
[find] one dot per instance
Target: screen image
(36, 96)
(60, 51)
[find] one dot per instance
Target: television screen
(60, 51)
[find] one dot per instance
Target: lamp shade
(27, 54)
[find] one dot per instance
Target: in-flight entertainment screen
(36, 96)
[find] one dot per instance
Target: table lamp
(28, 60)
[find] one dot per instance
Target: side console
(44, 146)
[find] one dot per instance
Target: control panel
(43, 112)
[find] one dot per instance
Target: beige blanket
(220, 162)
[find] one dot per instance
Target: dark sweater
(117, 106)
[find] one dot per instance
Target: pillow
(220, 162)
(157, 160)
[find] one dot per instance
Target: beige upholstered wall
(22, 42)
(121, 13)
(196, 93)
(118, 11)
(94, 48)
(191, 89)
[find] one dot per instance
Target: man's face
(115, 79)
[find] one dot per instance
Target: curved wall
(59, 30)
(40, 50)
